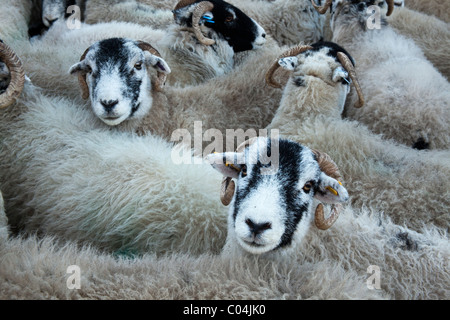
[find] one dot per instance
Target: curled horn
(290, 53)
(199, 10)
(348, 65)
(17, 72)
(82, 79)
(228, 185)
(390, 4)
(161, 77)
(328, 166)
(324, 8)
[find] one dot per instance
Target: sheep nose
(50, 21)
(109, 104)
(257, 228)
(263, 35)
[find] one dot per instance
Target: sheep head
(322, 61)
(276, 182)
(17, 75)
(113, 73)
(223, 19)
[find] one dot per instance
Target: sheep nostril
(257, 228)
(50, 21)
(109, 104)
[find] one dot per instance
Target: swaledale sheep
(378, 173)
(76, 181)
(193, 61)
(244, 101)
(287, 21)
(54, 154)
(407, 98)
(438, 8)
(45, 12)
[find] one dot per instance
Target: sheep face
(53, 10)
(273, 207)
(317, 71)
(118, 79)
(5, 77)
(344, 10)
(228, 22)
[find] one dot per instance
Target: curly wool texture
(328, 265)
(62, 175)
(428, 32)
(438, 8)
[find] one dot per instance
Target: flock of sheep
(354, 98)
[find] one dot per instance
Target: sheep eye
(307, 187)
(229, 18)
(244, 171)
(138, 66)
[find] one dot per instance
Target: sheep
(192, 61)
(407, 98)
(288, 22)
(46, 12)
(183, 108)
(438, 8)
(428, 32)
(378, 173)
(144, 203)
(69, 179)
(277, 182)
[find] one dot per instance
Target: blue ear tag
(208, 19)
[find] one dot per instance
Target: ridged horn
(390, 4)
(17, 82)
(348, 66)
(161, 76)
(324, 8)
(82, 79)
(228, 185)
(290, 53)
(328, 166)
(199, 10)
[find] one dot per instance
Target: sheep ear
(157, 63)
(229, 164)
(340, 74)
(80, 67)
(289, 63)
(330, 190)
(183, 15)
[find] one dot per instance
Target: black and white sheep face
(53, 10)
(319, 64)
(118, 79)
(228, 22)
(273, 208)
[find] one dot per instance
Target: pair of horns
(326, 164)
(343, 59)
(160, 80)
(17, 72)
(328, 3)
(200, 9)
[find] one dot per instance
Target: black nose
(109, 104)
(257, 228)
(50, 22)
(263, 35)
